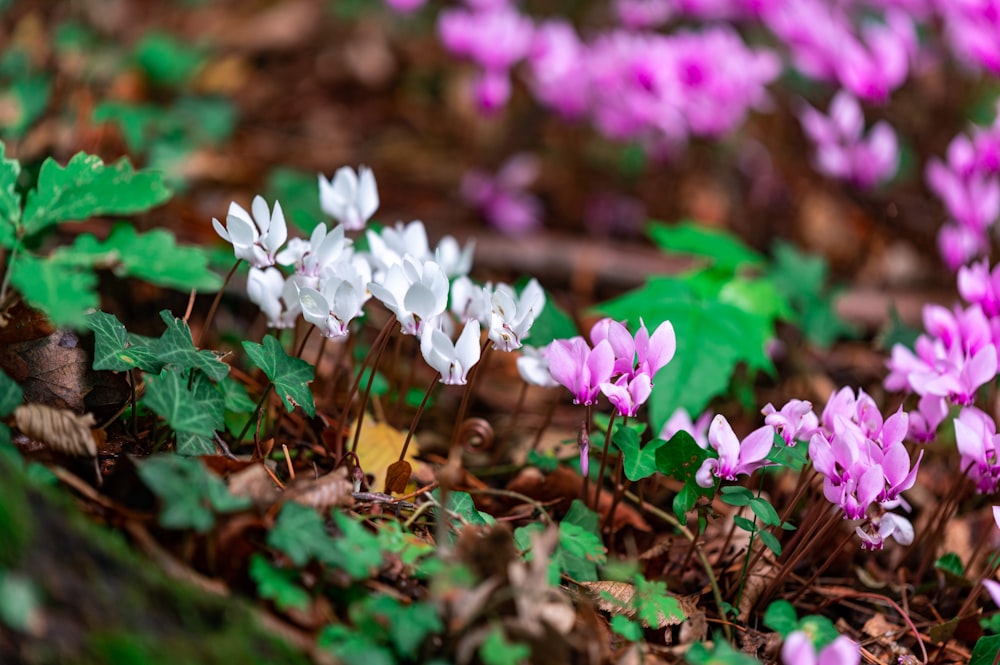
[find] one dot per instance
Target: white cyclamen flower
(255, 238)
(332, 309)
(414, 291)
(533, 367)
(454, 259)
(452, 361)
(470, 301)
(511, 318)
(350, 198)
(317, 255)
(277, 297)
(389, 247)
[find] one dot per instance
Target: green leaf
(169, 396)
(781, 617)
(745, 523)
(11, 394)
(356, 550)
(712, 338)
(176, 347)
(278, 584)
(289, 375)
(724, 250)
(63, 291)
(680, 459)
(110, 340)
(736, 495)
(10, 200)
(137, 122)
(86, 187)
(581, 547)
(653, 604)
(189, 443)
(298, 192)
(408, 626)
(30, 95)
(765, 511)
(153, 256)
(166, 60)
(552, 323)
(770, 541)
(820, 629)
(235, 397)
(189, 492)
(354, 647)
(950, 563)
(985, 651)
(629, 630)
(298, 532)
(722, 653)
(497, 650)
(638, 462)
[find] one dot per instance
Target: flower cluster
(503, 199)
(843, 150)
(968, 184)
(619, 365)
(427, 290)
(954, 357)
(862, 459)
(977, 441)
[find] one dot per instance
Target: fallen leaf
(334, 489)
(620, 601)
(397, 476)
(59, 429)
(379, 447)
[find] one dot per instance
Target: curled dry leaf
(334, 489)
(397, 476)
(59, 429)
(254, 482)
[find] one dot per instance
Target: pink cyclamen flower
(680, 420)
(581, 369)
(842, 149)
(735, 457)
(976, 438)
(503, 199)
(627, 394)
(796, 420)
(799, 650)
(979, 285)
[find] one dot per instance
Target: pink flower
(680, 420)
(976, 438)
(735, 457)
(504, 199)
(579, 368)
(799, 650)
(796, 420)
(627, 395)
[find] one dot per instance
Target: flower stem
(338, 446)
(604, 461)
(215, 303)
(416, 418)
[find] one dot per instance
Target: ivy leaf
(10, 200)
(176, 347)
(639, 462)
(298, 532)
(86, 187)
(169, 396)
(153, 256)
(235, 397)
(407, 625)
(496, 649)
(117, 350)
(680, 459)
(289, 375)
(11, 394)
(189, 492)
(724, 250)
(581, 547)
(356, 551)
(985, 651)
(278, 584)
(62, 290)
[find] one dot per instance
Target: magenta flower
(976, 437)
(579, 368)
(795, 421)
(627, 395)
(929, 414)
(735, 457)
(842, 149)
(875, 531)
(979, 285)
(504, 199)
(799, 650)
(557, 64)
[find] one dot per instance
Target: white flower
(533, 367)
(452, 361)
(254, 238)
(454, 259)
(414, 291)
(317, 255)
(511, 318)
(470, 301)
(276, 296)
(350, 198)
(333, 309)
(388, 248)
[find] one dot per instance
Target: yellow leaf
(379, 446)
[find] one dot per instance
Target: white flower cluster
(329, 282)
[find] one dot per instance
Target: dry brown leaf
(254, 482)
(59, 429)
(334, 489)
(620, 601)
(379, 447)
(397, 476)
